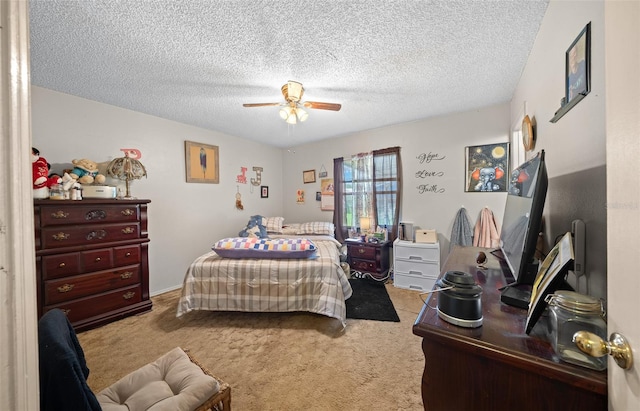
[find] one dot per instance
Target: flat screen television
(522, 219)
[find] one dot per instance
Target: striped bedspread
(268, 285)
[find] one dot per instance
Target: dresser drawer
(64, 289)
(422, 252)
(421, 268)
(96, 260)
(126, 255)
(61, 265)
(55, 237)
(363, 265)
(87, 214)
(413, 282)
(88, 307)
(362, 251)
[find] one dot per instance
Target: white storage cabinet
(416, 266)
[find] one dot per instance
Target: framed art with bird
(202, 163)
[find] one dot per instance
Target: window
(368, 185)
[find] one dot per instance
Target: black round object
(462, 302)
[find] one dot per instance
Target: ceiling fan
(292, 110)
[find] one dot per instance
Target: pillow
(247, 247)
(316, 227)
(291, 229)
(273, 224)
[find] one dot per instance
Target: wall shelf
(564, 109)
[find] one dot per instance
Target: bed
(316, 284)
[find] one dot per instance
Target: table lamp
(365, 224)
(127, 169)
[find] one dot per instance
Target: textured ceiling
(197, 62)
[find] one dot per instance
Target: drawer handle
(98, 259)
(66, 311)
(95, 215)
(59, 214)
(126, 274)
(127, 212)
(60, 236)
(128, 230)
(128, 295)
(99, 234)
(65, 288)
(62, 265)
(415, 272)
(361, 250)
(127, 254)
(415, 257)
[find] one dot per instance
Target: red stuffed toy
(40, 169)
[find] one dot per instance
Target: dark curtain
(338, 202)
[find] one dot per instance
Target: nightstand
(372, 258)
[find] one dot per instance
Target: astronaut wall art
(487, 168)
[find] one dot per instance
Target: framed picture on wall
(309, 176)
(578, 66)
(202, 163)
(486, 168)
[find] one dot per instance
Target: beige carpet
(275, 361)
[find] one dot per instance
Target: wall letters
(423, 174)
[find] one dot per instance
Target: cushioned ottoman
(172, 382)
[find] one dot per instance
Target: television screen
(522, 218)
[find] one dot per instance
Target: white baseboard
(166, 290)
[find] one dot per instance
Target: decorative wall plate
(527, 134)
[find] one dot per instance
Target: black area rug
(370, 301)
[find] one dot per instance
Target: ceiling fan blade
(260, 104)
(322, 106)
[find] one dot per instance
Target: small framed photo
(264, 191)
(309, 176)
(487, 167)
(578, 66)
(318, 196)
(202, 163)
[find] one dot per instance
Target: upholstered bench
(173, 382)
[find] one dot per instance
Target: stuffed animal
(254, 228)
(42, 182)
(86, 172)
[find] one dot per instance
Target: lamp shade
(365, 223)
(302, 115)
(127, 169)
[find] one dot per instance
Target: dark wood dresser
(498, 366)
(372, 258)
(92, 259)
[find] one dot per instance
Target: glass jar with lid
(570, 312)
(56, 192)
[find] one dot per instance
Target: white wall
(185, 219)
(445, 136)
(575, 145)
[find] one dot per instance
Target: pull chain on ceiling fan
(292, 111)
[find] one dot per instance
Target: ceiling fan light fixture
(302, 115)
(285, 112)
(292, 119)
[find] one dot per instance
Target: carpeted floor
(275, 361)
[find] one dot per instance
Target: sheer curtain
(368, 185)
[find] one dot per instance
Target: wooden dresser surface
(498, 366)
